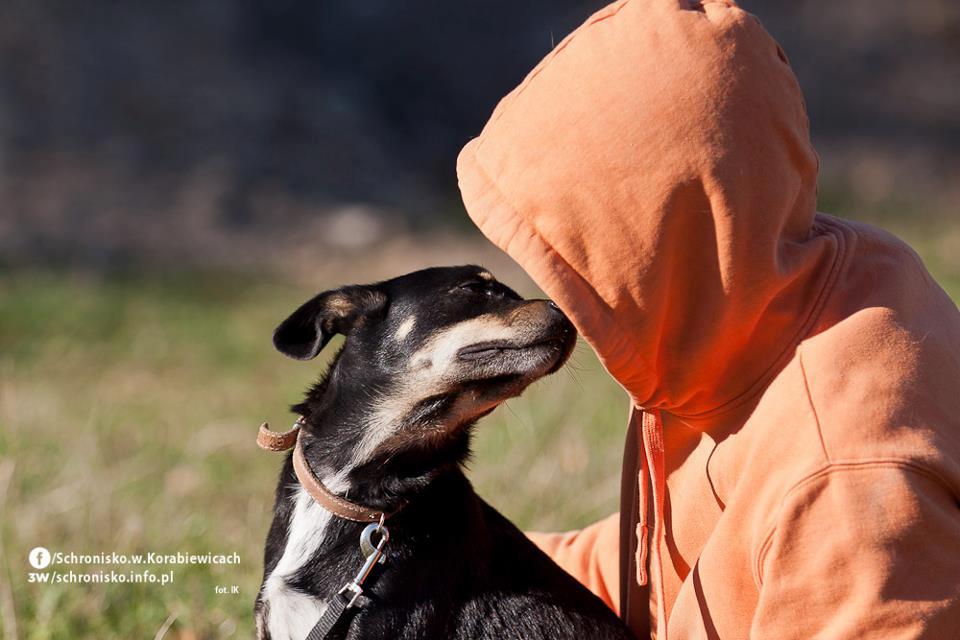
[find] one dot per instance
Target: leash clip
(373, 554)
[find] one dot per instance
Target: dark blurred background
(219, 132)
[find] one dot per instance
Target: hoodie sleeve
(860, 546)
(591, 555)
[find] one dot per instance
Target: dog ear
(308, 329)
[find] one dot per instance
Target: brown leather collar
(270, 440)
(341, 507)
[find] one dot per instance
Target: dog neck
(337, 505)
(381, 481)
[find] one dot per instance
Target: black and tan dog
(387, 429)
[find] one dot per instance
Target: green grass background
(128, 409)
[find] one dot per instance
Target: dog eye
(476, 288)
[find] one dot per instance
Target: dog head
(424, 356)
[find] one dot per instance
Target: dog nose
(553, 306)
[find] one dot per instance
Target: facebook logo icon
(39, 558)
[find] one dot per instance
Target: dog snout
(541, 319)
(557, 314)
(536, 312)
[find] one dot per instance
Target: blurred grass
(128, 408)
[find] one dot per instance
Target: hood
(654, 175)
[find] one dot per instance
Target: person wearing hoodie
(792, 465)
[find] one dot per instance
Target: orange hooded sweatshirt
(795, 378)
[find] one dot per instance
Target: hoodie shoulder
(882, 369)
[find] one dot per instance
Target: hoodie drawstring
(652, 476)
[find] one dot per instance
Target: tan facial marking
(405, 328)
(486, 275)
(442, 349)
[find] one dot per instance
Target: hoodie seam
(810, 403)
(838, 467)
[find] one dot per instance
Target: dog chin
(488, 392)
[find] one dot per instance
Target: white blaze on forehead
(405, 328)
(430, 367)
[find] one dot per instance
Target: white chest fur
(290, 613)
